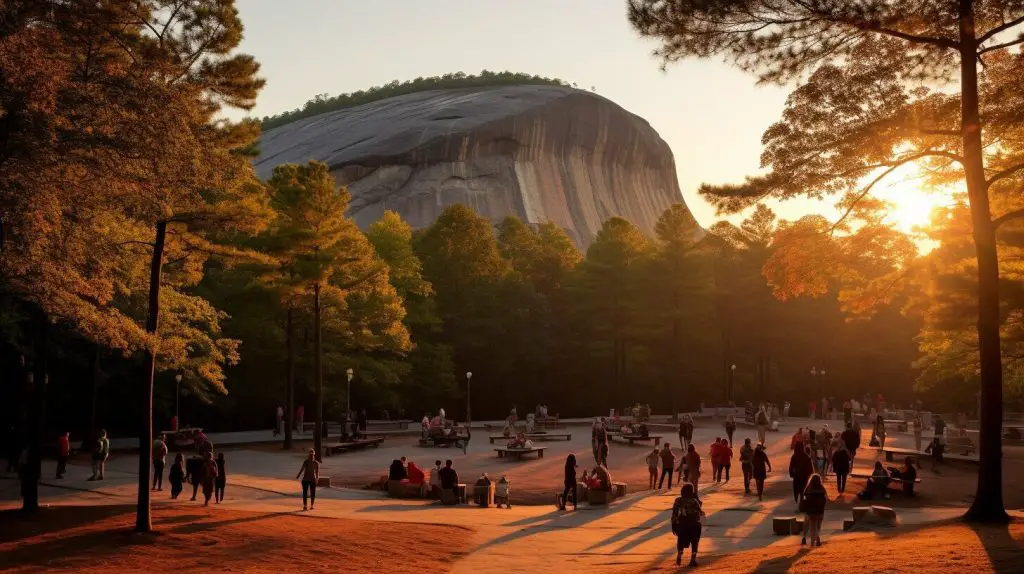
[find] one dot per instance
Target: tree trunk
(143, 513)
(37, 423)
(318, 440)
(94, 386)
(289, 409)
(988, 499)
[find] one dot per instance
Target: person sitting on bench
(878, 483)
(604, 479)
(907, 474)
(397, 470)
(449, 478)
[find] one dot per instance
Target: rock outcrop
(542, 153)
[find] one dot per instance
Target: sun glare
(912, 203)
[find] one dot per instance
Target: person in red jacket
(724, 460)
(63, 452)
(715, 457)
(692, 460)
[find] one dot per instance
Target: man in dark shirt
(397, 470)
(449, 478)
(851, 438)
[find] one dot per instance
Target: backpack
(685, 512)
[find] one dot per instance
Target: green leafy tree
(861, 113)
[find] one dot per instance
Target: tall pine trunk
(37, 420)
(289, 412)
(318, 440)
(988, 500)
(143, 513)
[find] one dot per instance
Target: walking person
(730, 427)
(724, 460)
(310, 473)
(569, 483)
(159, 460)
(842, 461)
(918, 424)
(222, 479)
(692, 461)
(652, 468)
(100, 456)
(63, 452)
(760, 467)
(813, 507)
(209, 478)
(687, 517)
(279, 424)
(761, 421)
(176, 476)
(194, 474)
(746, 461)
(851, 438)
(668, 462)
(800, 470)
(602, 452)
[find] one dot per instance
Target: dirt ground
(193, 539)
(944, 547)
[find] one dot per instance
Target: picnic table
(388, 424)
(891, 451)
(545, 436)
(520, 452)
(632, 438)
(356, 444)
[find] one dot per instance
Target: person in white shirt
(435, 479)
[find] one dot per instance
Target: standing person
(569, 482)
(310, 473)
(176, 475)
(760, 466)
(685, 432)
(63, 452)
(209, 478)
(936, 449)
(652, 468)
(100, 456)
(714, 456)
(300, 416)
(918, 424)
(595, 433)
(730, 427)
(159, 460)
(812, 407)
(280, 420)
(851, 437)
(761, 420)
(602, 452)
(724, 460)
(813, 507)
(687, 516)
(194, 474)
(668, 464)
(800, 470)
(692, 466)
(222, 479)
(746, 462)
(842, 461)
(847, 412)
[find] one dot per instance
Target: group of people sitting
(600, 479)
(408, 472)
(520, 441)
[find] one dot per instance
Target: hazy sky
(710, 114)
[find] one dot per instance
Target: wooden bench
(633, 438)
(443, 440)
(386, 425)
(549, 423)
(960, 444)
(535, 436)
(338, 447)
(901, 425)
(890, 453)
(401, 489)
(520, 452)
(892, 479)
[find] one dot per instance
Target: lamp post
(469, 403)
(348, 390)
(177, 393)
(819, 374)
(732, 373)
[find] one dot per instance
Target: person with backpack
(100, 456)
(159, 460)
(760, 467)
(746, 464)
(813, 507)
(668, 464)
(687, 517)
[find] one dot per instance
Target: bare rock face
(542, 153)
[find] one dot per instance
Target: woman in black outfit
(841, 460)
(761, 466)
(800, 469)
(570, 483)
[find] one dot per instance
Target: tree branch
(864, 193)
(1004, 174)
(1008, 216)
(999, 29)
(1000, 46)
(875, 26)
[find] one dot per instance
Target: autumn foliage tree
(865, 108)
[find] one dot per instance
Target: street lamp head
(814, 371)
(823, 372)
(732, 367)
(469, 375)
(349, 372)
(177, 378)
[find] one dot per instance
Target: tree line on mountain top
(138, 244)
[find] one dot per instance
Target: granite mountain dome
(542, 153)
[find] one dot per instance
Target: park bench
(604, 497)
(900, 424)
(443, 440)
(404, 489)
(388, 425)
(520, 452)
(338, 447)
(535, 436)
(870, 515)
(451, 496)
(633, 438)
(892, 479)
(960, 444)
(549, 423)
(891, 452)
